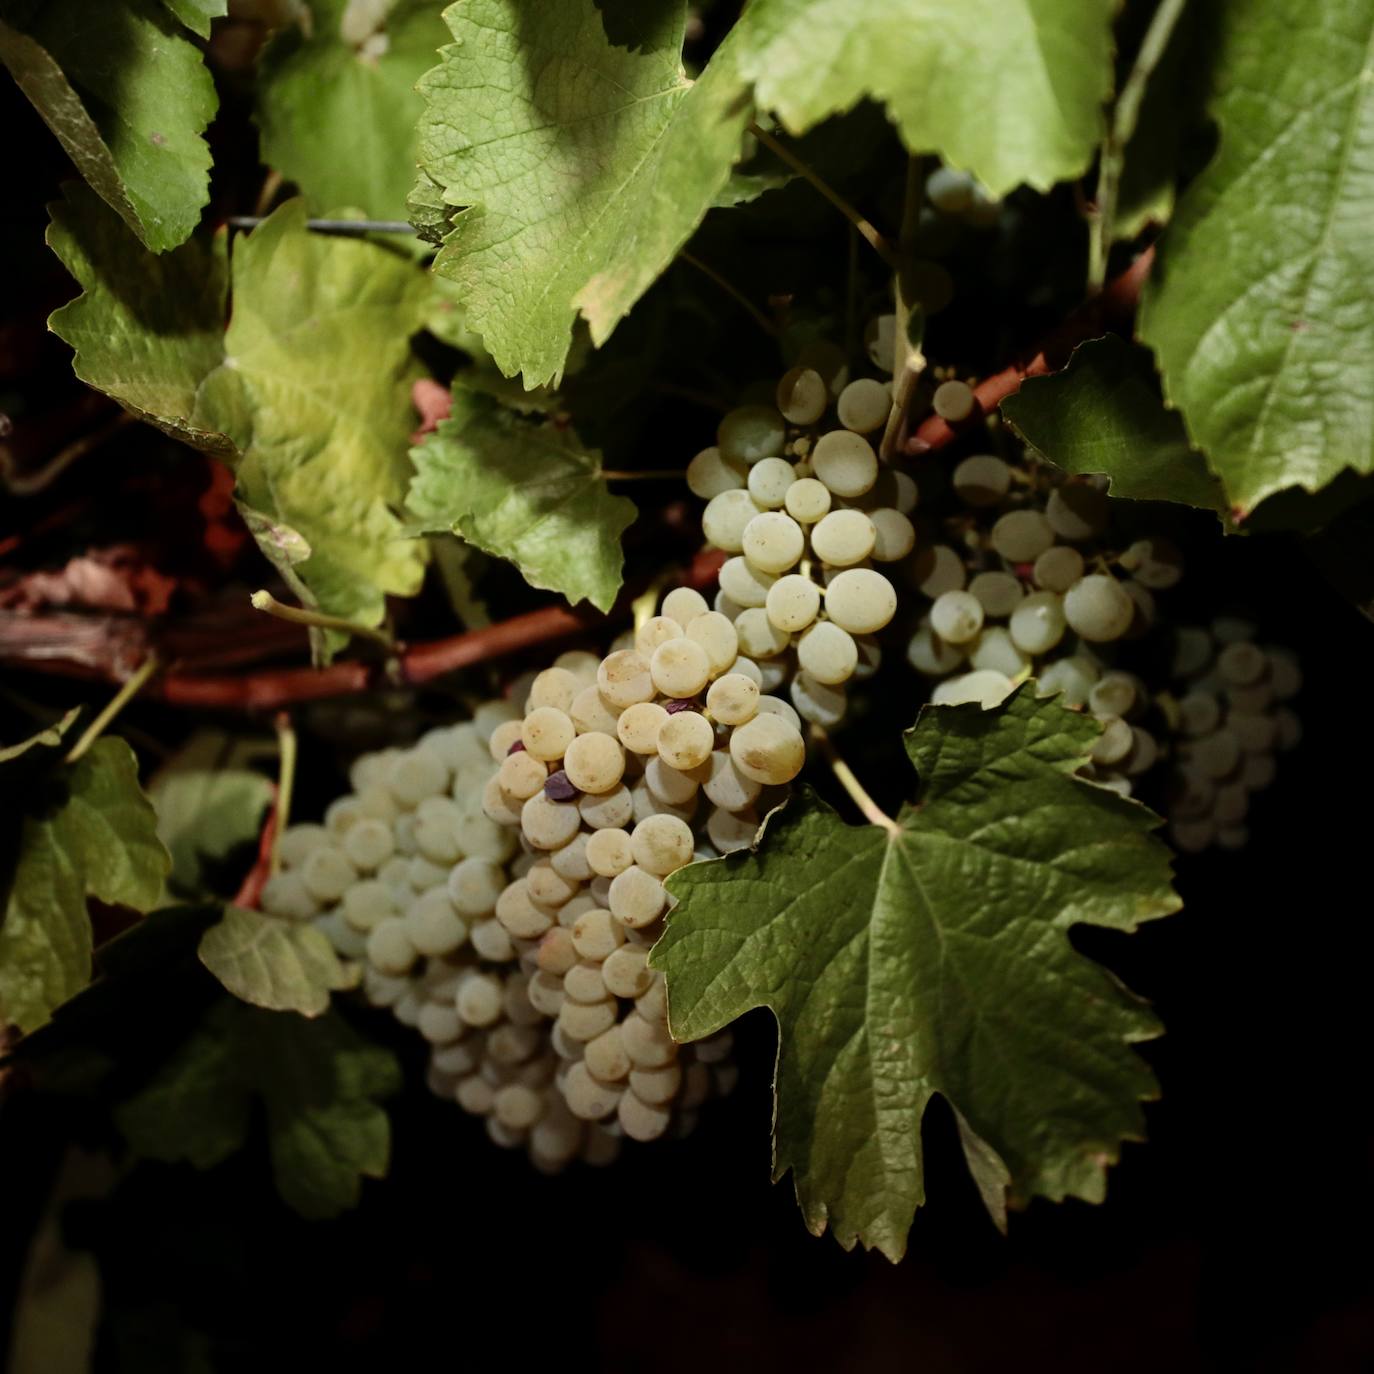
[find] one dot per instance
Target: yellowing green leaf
(936, 959)
(318, 1081)
(87, 831)
(127, 95)
(1010, 90)
(1260, 306)
(338, 109)
(586, 166)
(279, 965)
(314, 391)
(1103, 414)
(526, 492)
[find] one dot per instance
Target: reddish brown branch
(1111, 309)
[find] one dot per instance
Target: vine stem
(1112, 159)
(875, 238)
(909, 360)
(286, 782)
(298, 615)
(858, 794)
(733, 291)
(113, 707)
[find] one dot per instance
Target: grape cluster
(804, 509)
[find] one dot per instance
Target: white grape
(845, 463)
(802, 396)
(1097, 609)
(843, 538)
(773, 541)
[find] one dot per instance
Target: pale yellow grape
(605, 1056)
(554, 687)
(414, 776)
(827, 652)
(684, 604)
(559, 877)
(937, 569)
(1038, 624)
(611, 809)
(590, 711)
(1114, 743)
(1242, 664)
(522, 775)
(626, 971)
(995, 649)
(490, 714)
(637, 897)
(377, 803)
(767, 749)
(670, 784)
(547, 733)
(717, 637)
(949, 190)
(749, 433)
(957, 617)
(609, 852)
(746, 667)
(953, 401)
(1021, 536)
(802, 396)
(641, 1120)
(365, 905)
(656, 1086)
(807, 500)
(638, 726)
(743, 583)
(503, 737)
(680, 667)
(517, 1107)
(286, 896)
(661, 845)
(894, 536)
(708, 474)
(769, 481)
(776, 706)
(482, 838)
(424, 873)
(773, 542)
(820, 703)
(845, 462)
(656, 631)
(733, 699)
(1114, 694)
(729, 831)
(586, 1020)
(478, 1000)
(298, 841)
(895, 489)
(1077, 511)
(389, 948)
(546, 987)
(984, 687)
(341, 814)
(594, 762)
(548, 824)
(686, 740)
(728, 788)
(394, 875)
(725, 517)
(582, 982)
(843, 538)
(521, 915)
(436, 837)
(433, 926)
(1058, 568)
(647, 1043)
(758, 636)
(588, 1098)
(1144, 752)
(624, 678)
(793, 602)
(556, 953)
(328, 874)
(861, 601)
(863, 405)
(581, 663)
(381, 989)
(596, 933)
(1097, 609)
(982, 480)
(368, 844)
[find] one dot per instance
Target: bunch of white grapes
(796, 496)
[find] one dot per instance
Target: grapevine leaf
(430, 215)
(128, 97)
(1260, 307)
(90, 833)
(197, 14)
(529, 493)
(936, 959)
(317, 1079)
(315, 393)
(147, 329)
(586, 167)
(1010, 90)
(1103, 413)
(338, 108)
(279, 965)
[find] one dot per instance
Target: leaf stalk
(113, 707)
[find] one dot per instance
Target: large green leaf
(338, 110)
(197, 14)
(318, 1081)
(279, 965)
(936, 959)
(128, 96)
(315, 393)
(147, 329)
(1011, 90)
(586, 167)
(88, 831)
(1261, 303)
(1103, 413)
(527, 492)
